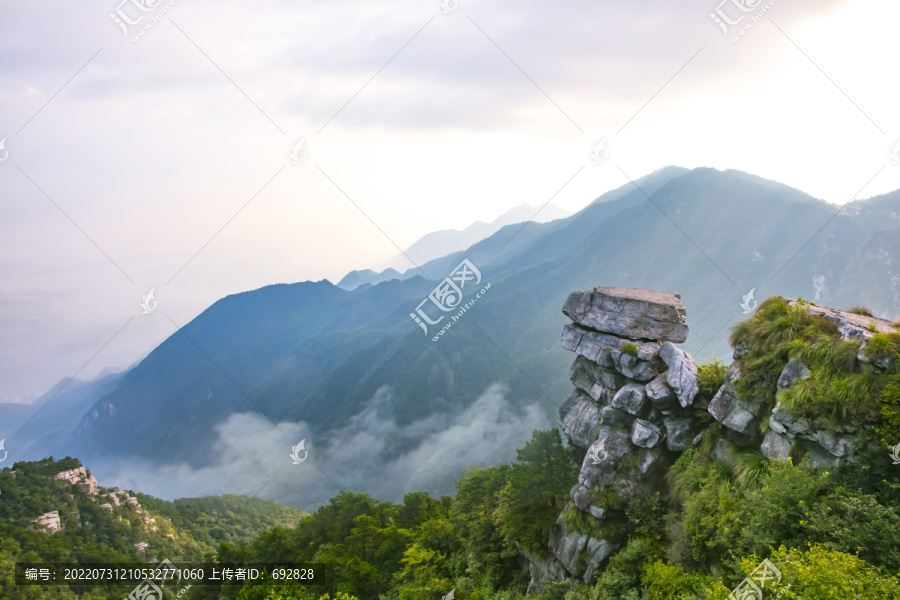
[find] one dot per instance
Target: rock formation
(81, 478)
(47, 523)
(631, 411)
(634, 409)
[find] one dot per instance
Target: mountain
(441, 243)
(385, 409)
(447, 241)
(354, 279)
(56, 511)
(42, 428)
(793, 438)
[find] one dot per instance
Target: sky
(167, 154)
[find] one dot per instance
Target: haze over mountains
(383, 408)
(447, 241)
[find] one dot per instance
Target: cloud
(370, 454)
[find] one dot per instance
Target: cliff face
(635, 408)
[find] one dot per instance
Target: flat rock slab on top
(632, 313)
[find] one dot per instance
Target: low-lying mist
(368, 453)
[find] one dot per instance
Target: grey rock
(633, 367)
(730, 410)
(581, 497)
(645, 434)
(679, 433)
(722, 452)
(793, 372)
(787, 424)
(659, 393)
(776, 425)
(614, 416)
(647, 458)
(579, 417)
(568, 549)
(697, 439)
(611, 447)
(599, 382)
(596, 346)
(597, 512)
(597, 551)
(775, 445)
(832, 443)
(819, 458)
(541, 569)
(741, 350)
(633, 313)
(631, 398)
(682, 375)
(611, 379)
(851, 325)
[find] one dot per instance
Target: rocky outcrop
(47, 523)
(636, 406)
(793, 372)
(629, 313)
(851, 325)
(632, 385)
(828, 444)
(728, 408)
(80, 477)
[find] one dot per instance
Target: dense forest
(832, 532)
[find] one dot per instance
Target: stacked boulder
(631, 411)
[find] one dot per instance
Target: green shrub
(605, 498)
(665, 581)
(629, 349)
(620, 580)
(860, 310)
(582, 522)
(710, 377)
(820, 573)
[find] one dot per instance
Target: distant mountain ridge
(447, 241)
(381, 405)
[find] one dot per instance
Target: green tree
(538, 488)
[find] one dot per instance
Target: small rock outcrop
(81, 478)
(47, 523)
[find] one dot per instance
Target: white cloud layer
(369, 453)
